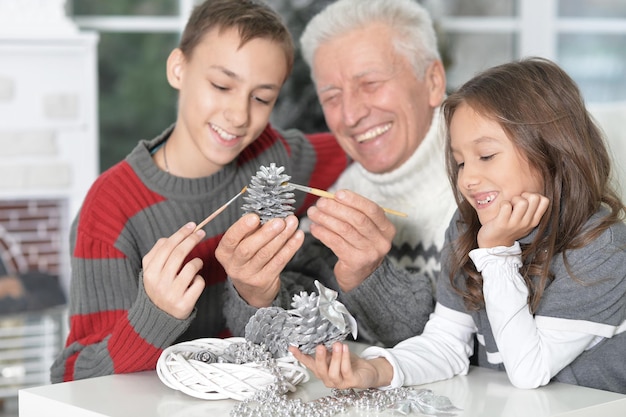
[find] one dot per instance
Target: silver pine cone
(266, 327)
(268, 195)
(307, 327)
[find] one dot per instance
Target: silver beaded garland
(273, 401)
(266, 341)
(404, 401)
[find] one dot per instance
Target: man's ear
(175, 68)
(435, 78)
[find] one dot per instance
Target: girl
(536, 257)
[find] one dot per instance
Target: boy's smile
(222, 133)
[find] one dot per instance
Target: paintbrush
(219, 210)
(322, 193)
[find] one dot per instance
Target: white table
(482, 392)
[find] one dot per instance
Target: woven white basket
(218, 381)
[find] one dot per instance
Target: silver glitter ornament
(269, 194)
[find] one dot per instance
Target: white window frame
(155, 24)
(538, 25)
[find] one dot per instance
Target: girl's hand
(343, 370)
(515, 220)
(172, 285)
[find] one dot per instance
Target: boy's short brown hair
(253, 18)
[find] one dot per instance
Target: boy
(135, 292)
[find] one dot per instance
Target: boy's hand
(254, 256)
(172, 286)
(515, 220)
(356, 230)
(343, 370)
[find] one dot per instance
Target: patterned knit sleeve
(391, 305)
(394, 303)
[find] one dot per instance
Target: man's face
(373, 102)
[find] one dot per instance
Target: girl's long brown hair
(541, 110)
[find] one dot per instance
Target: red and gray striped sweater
(114, 327)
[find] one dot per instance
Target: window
(136, 36)
(586, 37)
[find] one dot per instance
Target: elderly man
(380, 81)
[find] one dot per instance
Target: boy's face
(226, 95)
(373, 102)
(491, 168)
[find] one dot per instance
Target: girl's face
(491, 169)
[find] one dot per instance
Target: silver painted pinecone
(268, 195)
(307, 327)
(303, 326)
(266, 326)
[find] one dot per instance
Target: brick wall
(35, 229)
(48, 135)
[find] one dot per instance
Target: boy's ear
(435, 78)
(175, 66)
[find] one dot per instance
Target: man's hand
(254, 256)
(356, 230)
(172, 286)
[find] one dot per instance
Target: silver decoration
(205, 356)
(266, 327)
(334, 311)
(314, 320)
(269, 194)
(273, 401)
(404, 400)
(426, 402)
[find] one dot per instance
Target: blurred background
(81, 81)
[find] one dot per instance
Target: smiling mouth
(373, 133)
(222, 133)
(486, 200)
